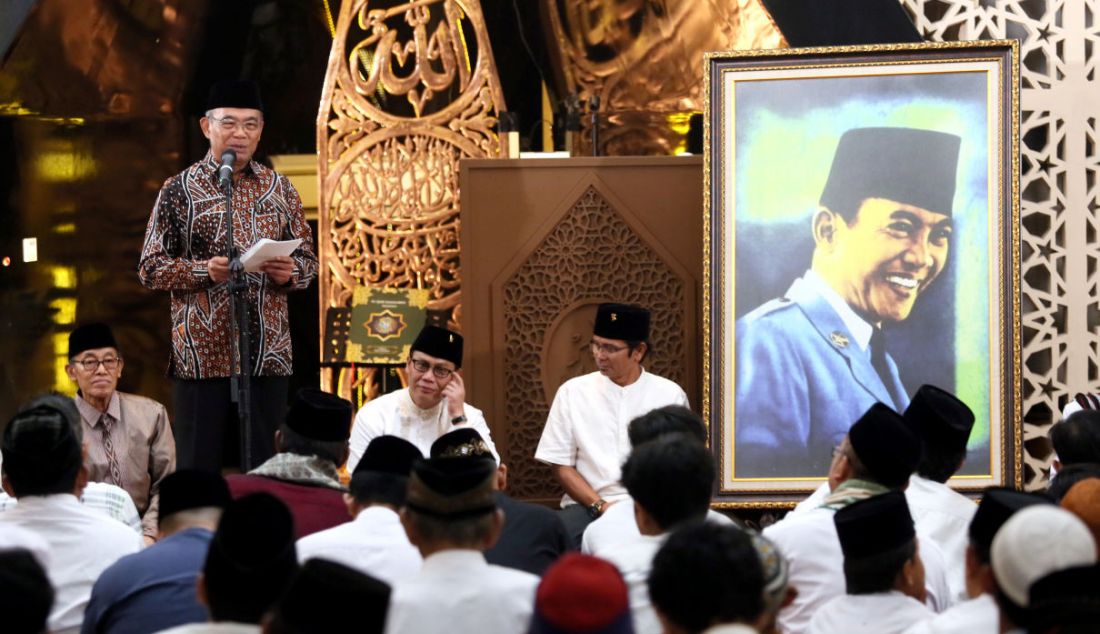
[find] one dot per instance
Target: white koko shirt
(395, 414)
(458, 591)
(374, 543)
(83, 543)
(976, 616)
(879, 613)
(617, 525)
(587, 426)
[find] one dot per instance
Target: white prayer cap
(1035, 542)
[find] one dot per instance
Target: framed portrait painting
(862, 213)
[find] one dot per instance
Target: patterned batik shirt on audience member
(186, 229)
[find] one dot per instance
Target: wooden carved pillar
(411, 88)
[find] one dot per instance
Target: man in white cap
(585, 438)
(1033, 543)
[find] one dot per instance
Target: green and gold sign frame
(773, 120)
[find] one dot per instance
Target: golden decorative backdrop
(410, 89)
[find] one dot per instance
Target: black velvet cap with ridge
(452, 488)
(439, 343)
(875, 525)
(624, 322)
(388, 454)
(187, 489)
(906, 165)
(939, 418)
(91, 337)
(997, 505)
(235, 93)
(885, 445)
(255, 538)
(319, 415)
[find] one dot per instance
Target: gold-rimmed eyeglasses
(438, 371)
(605, 348)
(91, 364)
(229, 124)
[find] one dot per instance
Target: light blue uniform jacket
(802, 380)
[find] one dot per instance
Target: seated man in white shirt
(707, 575)
(883, 573)
(878, 455)
(671, 480)
(432, 405)
(978, 615)
(451, 516)
(374, 542)
(44, 470)
(617, 524)
(585, 438)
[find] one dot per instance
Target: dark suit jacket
(533, 537)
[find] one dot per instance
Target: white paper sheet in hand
(266, 249)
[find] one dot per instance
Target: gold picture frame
(947, 305)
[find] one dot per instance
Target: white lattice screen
(1060, 104)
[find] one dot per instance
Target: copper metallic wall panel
(411, 88)
(644, 61)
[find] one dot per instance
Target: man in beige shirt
(128, 437)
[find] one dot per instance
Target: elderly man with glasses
(129, 441)
(185, 253)
(585, 438)
(433, 404)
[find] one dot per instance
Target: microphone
(225, 170)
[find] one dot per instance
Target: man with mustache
(810, 362)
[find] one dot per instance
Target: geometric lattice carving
(410, 90)
(1059, 197)
(590, 256)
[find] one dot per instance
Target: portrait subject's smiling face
(886, 257)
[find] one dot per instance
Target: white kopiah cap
(1035, 542)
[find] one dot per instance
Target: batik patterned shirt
(187, 228)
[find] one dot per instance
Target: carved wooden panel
(411, 88)
(1060, 197)
(591, 256)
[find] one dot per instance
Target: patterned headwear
(452, 488)
(461, 443)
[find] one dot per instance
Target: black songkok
(192, 489)
(235, 93)
(879, 524)
(624, 322)
(998, 504)
(91, 337)
(461, 443)
(907, 165)
(940, 419)
(385, 468)
(319, 415)
(885, 445)
(439, 343)
(323, 591)
(452, 488)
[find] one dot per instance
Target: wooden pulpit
(544, 241)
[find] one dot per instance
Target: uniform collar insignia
(838, 339)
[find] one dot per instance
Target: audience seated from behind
(325, 596)
(154, 589)
(883, 573)
(1076, 443)
(248, 567)
(533, 536)
(617, 524)
(44, 471)
(670, 480)
(374, 542)
(709, 576)
(451, 515)
(310, 446)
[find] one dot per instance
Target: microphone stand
(240, 385)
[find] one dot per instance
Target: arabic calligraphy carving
(410, 89)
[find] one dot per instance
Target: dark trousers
(576, 519)
(206, 428)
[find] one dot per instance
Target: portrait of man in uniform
(861, 238)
